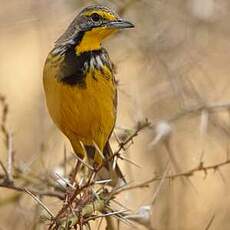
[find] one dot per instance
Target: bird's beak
(119, 24)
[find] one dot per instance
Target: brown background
(175, 59)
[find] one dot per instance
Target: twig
(37, 192)
(176, 167)
(210, 222)
(129, 161)
(140, 127)
(83, 162)
(98, 205)
(188, 173)
(98, 150)
(161, 183)
(40, 203)
(4, 170)
(99, 224)
(65, 180)
(8, 141)
(124, 219)
(103, 181)
(114, 162)
(211, 107)
(5, 109)
(105, 215)
(10, 157)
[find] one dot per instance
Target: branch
(88, 210)
(139, 127)
(4, 170)
(188, 173)
(40, 203)
(10, 160)
(5, 110)
(210, 222)
(34, 191)
(209, 107)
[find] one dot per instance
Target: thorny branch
(5, 109)
(187, 173)
(141, 125)
(84, 198)
(10, 172)
(7, 139)
(34, 191)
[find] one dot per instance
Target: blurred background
(173, 69)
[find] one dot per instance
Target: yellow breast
(84, 114)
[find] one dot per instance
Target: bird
(80, 86)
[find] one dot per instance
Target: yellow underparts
(84, 115)
(92, 39)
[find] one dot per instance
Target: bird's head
(90, 27)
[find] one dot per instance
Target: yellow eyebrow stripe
(102, 13)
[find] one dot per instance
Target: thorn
(117, 138)
(81, 181)
(125, 220)
(4, 169)
(99, 224)
(40, 203)
(10, 157)
(113, 213)
(88, 226)
(161, 183)
(65, 180)
(210, 222)
(120, 188)
(83, 162)
(131, 162)
(83, 148)
(96, 195)
(103, 181)
(118, 203)
(114, 162)
(202, 157)
(98, 150)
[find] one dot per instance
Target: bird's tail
(109, 172)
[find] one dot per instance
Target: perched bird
(80, 87)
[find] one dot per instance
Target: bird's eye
(95, 17)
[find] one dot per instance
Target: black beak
(119, 24)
